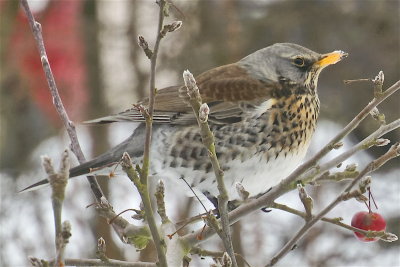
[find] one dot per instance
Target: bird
(263, 113)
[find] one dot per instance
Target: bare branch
(283, 187)
(58, 182)
(346, 130)
(306, 200)
(318, 171)
(110, 262)
(214, 254)
(144, 172)
(145, 46)
(338, 221)
(393, 152)
(201, 112)
(160, 194)
(68, 124)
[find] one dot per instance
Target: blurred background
(99, 69)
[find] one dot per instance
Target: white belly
(255, 174)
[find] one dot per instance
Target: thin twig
(201, 111)
(106, 209)
(307, 201)
(58, 182)
(393, 152)
(337, 176)
(318, 171)
(110, 262)
(219, 254)
(356, 80)
(346, 130)
(160, 195)
(68, 124)
(144, 173)
(335, 221)
(101, 250)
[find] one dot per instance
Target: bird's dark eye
(299, 61)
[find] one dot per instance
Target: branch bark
(284, 186)
(58, 182)
(201, 112)
(393, 152)
(103, 206)
(68, 124)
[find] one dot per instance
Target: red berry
(368, 221)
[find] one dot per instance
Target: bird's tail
(101, 165)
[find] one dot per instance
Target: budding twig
(201, 112)
(306, 200)
(393, 152)
(101, 250)
(68, 124)
(283, 187)
(160, 194)
(58, 182)
(388, 237)
(145, 46)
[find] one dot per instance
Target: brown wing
(226, 89)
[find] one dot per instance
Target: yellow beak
(331, 58)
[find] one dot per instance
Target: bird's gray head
(291, 63)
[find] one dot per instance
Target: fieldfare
(263, 113)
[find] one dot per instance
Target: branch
(284, 186)
(148, 115)
(201, 112)
(160, 195)
(317, 172)
(176, 250)
(393, 152)
(103, 206)
(68, 124)
(307, 201)
(346, 130)
(215, 254)
(110, 262)
(58, 182)
(335, 221)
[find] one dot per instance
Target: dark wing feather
(225, 89)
